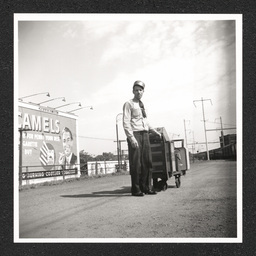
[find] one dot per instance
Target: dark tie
(142, 109)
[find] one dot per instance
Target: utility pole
(186, 141)
(117, 140)
(192, 144)
(222, 134)
(117, 144)
(206, 143)
(120, 155)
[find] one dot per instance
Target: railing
(38, 172)
(53, 171)
(104, 167)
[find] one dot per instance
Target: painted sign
(48, 140)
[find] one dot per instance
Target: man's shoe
(151, 192)
(138, 194)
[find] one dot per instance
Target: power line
(84, 137)
(219, 123)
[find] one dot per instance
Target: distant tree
(85, 157)
(99, 158)
(105, 157)
(108, 156)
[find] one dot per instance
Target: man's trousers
(140, 161)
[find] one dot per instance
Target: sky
(95, 59)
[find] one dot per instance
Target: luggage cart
(165, 160)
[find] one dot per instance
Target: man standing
(68, 159)
(136, 128)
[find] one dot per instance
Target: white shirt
(133, 119)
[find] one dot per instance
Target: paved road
(203, 207)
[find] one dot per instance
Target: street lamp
(63, 99)
(91, 108)
(69, 104)
(117, 140)
(47, 94)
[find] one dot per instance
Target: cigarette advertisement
(47, 140)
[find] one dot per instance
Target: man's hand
(134, 143)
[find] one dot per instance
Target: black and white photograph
(127, 128)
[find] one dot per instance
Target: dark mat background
(8, 8)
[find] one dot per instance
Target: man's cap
(139, 83)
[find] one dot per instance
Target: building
(228, 139)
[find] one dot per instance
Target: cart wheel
(165, 186)
(177, 181)
(155, 183)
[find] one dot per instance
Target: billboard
(47, 141)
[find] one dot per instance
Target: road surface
(205, 206)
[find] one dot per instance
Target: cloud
(97, 29)
(135, 28)
(138, 39)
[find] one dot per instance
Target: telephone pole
(206, 143)
(193, 146)
(117, 141)
(222, 134)
(186, 141)
(120, 155)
